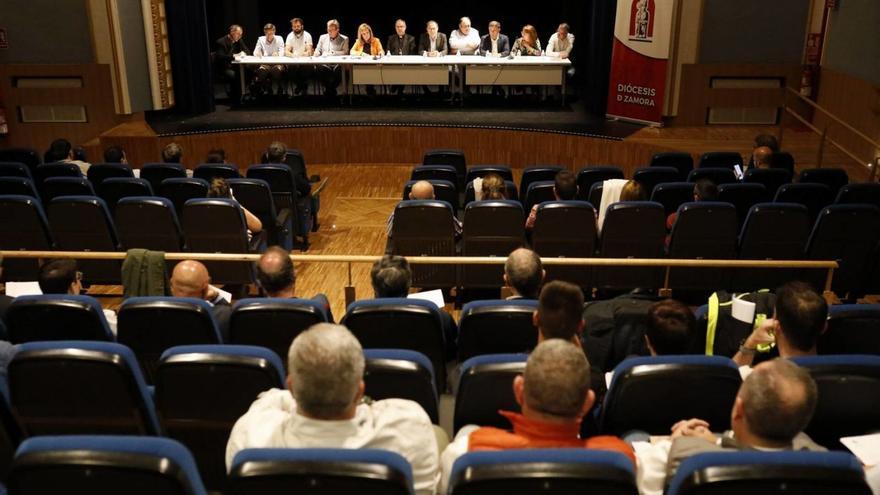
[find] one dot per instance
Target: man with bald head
(277, 277)
(524, 274)
(762, 157)
(421, 190)
(190, 278)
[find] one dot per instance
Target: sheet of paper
(226, 296)
(743, 311)
(15, 289)
(435, 296)
(865, 447)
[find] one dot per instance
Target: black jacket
(224, 49)
(503, 45)
(397, 46)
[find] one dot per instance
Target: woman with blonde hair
(366, 41)
(493, 187)
(528, 43)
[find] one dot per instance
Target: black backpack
(724, 334)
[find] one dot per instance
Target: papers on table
(226, 296)
(865, 447)
(434, 296)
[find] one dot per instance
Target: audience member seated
(190, 278)
(763, 140)
(62, 151)
(524, 274)
(423, 190)
(564, 188)
(773, 405)
(762, 157)
(553, 394)
(704, 190)
(560, 312)
(63, 277)
(323, 407)
(618, 190)
(277, 277)
(220, 189)
(115, 154)
(216, 155)
(172, 153)
(490, 186)
(392, 277)
(276, 153)
(800, 317)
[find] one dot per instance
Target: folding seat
(23, 227)
(59, 169)
(852, 329)
(485, 387)
(772, 231)
(283, 186)
(77, 387)
(672, 195)
(653, 393)
(83, 223)
(398, 323)
(496, 327)
(588, 176)
(548, 471)
(683, 162)
(649, 177)
(742, 197)
(765, 473)
(105, 465)
(566, 229)
(491, 228)
(718, 176)
(633, 229)
(210, 171)
(151, 325)
(401, 374)
(148, 223)
(435, 172)
(115, 188)
(181, 189)
(426, 228)
(848, 234)
(217, 225)
(55, 187)
(10, 433)
(18, 186)
(202, 390)
(15, 169)
(835, 178)
(282, 471)
(849, 402)
(538, 193)
(454, 158)
(814, 196)
(864, 193)
(29, 157)
(56, 317)
(595, 195)
(720, 159)
(509, 189)
(771, 178)
(155, 173)
(483, 170)
(99, 172)
(272, 322)
(702, 230)
(444, 190)
(256, 196)
(537, 173)
(782, 160)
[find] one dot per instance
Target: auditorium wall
(46, 32)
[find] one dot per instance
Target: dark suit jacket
(5, 301)
(224, 49)
(503, 45)
(397, 46)
(221, 312)
(425, 43)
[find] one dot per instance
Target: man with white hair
(324, 407)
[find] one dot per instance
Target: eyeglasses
(79, 276)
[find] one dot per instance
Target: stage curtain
(596, 53)
(190, 56)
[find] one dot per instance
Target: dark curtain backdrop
(592, 22)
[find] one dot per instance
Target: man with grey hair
(324, 407)
(524, 274)
(331, 44)
(554, 394)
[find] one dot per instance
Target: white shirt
(266, 49)
(456, 448)
(397, 425)
(326, 46)
(466, 45)
(557, 47)
(651, 460)
(300, 45)
(494, 44)
(110, 316)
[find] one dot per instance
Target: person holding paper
(190, 278)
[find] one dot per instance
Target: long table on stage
(419, 70)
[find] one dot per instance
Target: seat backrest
(491, 228)
(720, 159)
(83, 223)
(496, 327)
(814, 196)
(764, 473)
(594, 174)
(397, 323)
(256, 196)
(715, 174)
(112, 189)
(104, 465)
(549, 471)
(454, 158)
(703, 230)
(742, 196)
(485, 386)
(672, 195)
(54, 187)
(15, 169)
(537, 193)
(24, 228)
(155, 173)
(202, 390)
(99, 172)
(653, 393)
(151, 325)
(536, 174)
(683, 162)
(848, 234)
(444, 190)
(632, 229)
(362, 471)
(566, 229)
(217, 225)
(272, 322)
(771, 178)
(58, 169)
(10, 433)
(401, 374)
(475, 171)
(772, 231)
(852, 329)
(470, 194)
(18, 186)
(835, 178)
(782, 160)
(210, 171)
(864, 193)
(182, 189)
(435, 172)
(280, 180)
(27, 156)
(56, 317)
(425, 227)
(79, 387)
(649, 177)
(148, 223)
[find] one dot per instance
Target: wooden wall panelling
(856, 102)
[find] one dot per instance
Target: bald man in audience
(190, 278)
(421, 190)
(762, 157)
(277, 277)
(524, 274)
(554, 395)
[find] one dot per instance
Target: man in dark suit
(401, 43)
(495, 43)
(306, 204)
(432, 43)
(225, 50)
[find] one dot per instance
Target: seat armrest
(257, 243)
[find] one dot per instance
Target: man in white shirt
(324, 407)
(269, 45)
(330, 44)
(560, 43)
(464, 40)
(299, 44)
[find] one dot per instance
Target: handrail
(833, 117)
(818, 131)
